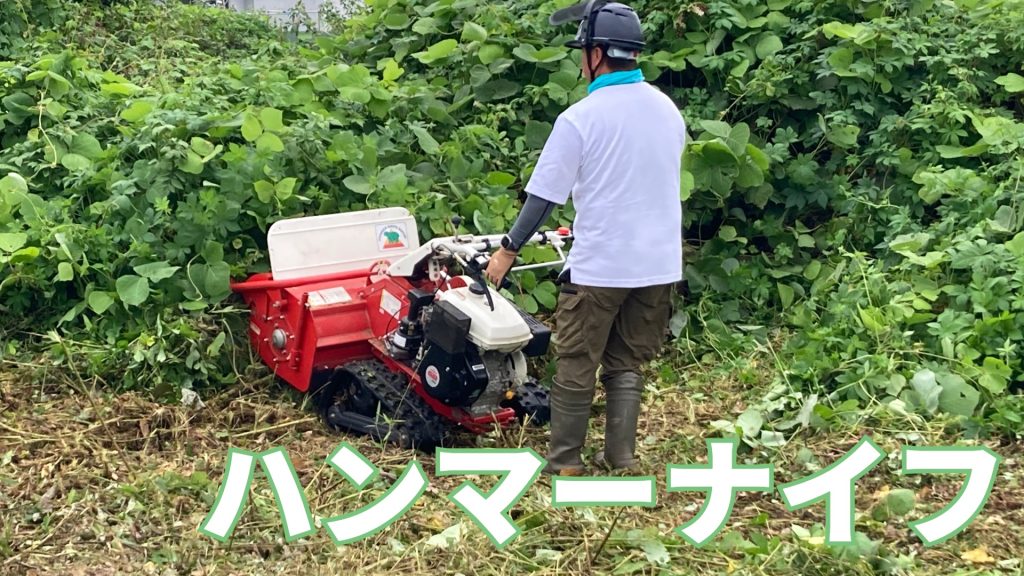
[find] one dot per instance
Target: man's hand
(499, 265)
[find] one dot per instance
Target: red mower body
(356, 313)
(304, 326)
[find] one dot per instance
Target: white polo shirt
(618, 154)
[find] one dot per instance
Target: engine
(471, 355)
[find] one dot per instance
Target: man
(618, 154)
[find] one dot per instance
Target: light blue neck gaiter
(613, 78)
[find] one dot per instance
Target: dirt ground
(93, 484)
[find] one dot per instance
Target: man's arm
(551, 183)
(534, 214)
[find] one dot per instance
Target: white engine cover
(501, 329)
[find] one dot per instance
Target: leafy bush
(20, 18)
(853, 176)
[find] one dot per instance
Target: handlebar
(467, 248)
(472, 246)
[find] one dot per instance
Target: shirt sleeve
(555, 174)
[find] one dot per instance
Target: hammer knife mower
(399, 341)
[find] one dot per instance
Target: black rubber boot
(570, 416)
(623, 393)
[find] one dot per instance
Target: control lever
(479, 286)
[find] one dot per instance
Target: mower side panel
(332, 326)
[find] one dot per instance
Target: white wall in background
(280, 10)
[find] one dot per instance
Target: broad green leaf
(565, 79)
(812, 270)
(264, 191)
(1012, 82)
(355, 94)
(928, 260)
(132, 290)
(191, 164)
(759, 158)
(730, 265)
(86, 145)
(750, 421)
(527, 303)
(218, 281)
(547, 54)
(840, 61)
(546, 299)
(772, 439)
(12, 185)
(11, 241)
(201, 146)
(285, 187)
(478, 75)
(19, 107)
(718, 153)
(120, 89)
(358, 184)
(438, 51)
(957, 397)
(909, 242)
(271, 119)
(727, 233)
(425, 140)
(25, 255)
(716, 128)
(838, 29)
(786, 295)
(75, 162)
(156, 271)
(1016, 245)
(769, 44)
(473, 32)
(962, 152)
(750, 175)
(740, 69)
(213, 252)
(843, 136)
(99, 302)
(396, 20)
(490, 52)
(392, 71)
(686, 185)
(393, 178)
(996, 375)
(500, 179)
(251, 127)
(269, 142)
(739, 136)
(1004, 220)
(65, 272)
(425, 26)
(655, 552)
(927, 390)
(537, 133)
(997, 130)
(137, 111)
(497, 89)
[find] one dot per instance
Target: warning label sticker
(389, 304)
(328, 296)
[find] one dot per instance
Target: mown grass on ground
(95, 484)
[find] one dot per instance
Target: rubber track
(426, 429)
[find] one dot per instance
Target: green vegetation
(855, 248)
(851, 181)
